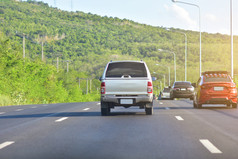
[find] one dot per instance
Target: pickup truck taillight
(103, 88)
(149, 87)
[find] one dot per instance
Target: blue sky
(215, 14)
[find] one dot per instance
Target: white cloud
(211, 17)
(166, 7)
(183, 16)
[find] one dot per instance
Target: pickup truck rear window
(126, 69)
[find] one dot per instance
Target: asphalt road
(77, 131)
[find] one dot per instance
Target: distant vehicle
(165, 94)
(215, 87)
(182, 89)
(126, 83)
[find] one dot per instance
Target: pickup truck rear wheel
(105, 110)
(149, 111)
(149, 108)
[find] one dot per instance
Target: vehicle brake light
(103, 88)
(149, 87)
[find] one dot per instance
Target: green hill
(89, 41)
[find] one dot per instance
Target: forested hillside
(88, 42)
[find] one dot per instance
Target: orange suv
(215, 87)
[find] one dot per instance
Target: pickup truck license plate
(218, 88)
(126, 101)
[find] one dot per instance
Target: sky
(215, 14)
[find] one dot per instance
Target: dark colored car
(182, 89)
(215, 87)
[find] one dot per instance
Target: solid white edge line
(179, 118)
(5, 144)
(61, 119)
(86, 109)
(206, 143)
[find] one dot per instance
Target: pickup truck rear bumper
(136, 99)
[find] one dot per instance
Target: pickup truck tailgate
(126, 87)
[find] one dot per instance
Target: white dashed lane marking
(61, 119)
(179, 118)
(18, 110)
(167, 108)
(98, 103)
(5, 144)
(86, 109)
(2, 113)
(34, 107)
(206, 143)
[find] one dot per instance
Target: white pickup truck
(126, 83)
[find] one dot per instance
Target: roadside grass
(5, 100)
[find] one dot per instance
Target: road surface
(77, 131)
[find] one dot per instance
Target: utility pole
(88, 90)
(90, 86)
(87, 87)
(24, 54)
(42, 52)
(24, 37)
(57, 63)
(67, 65)
(79, 82)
